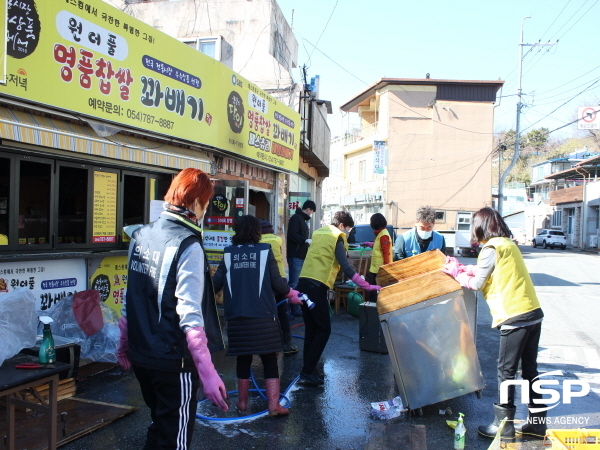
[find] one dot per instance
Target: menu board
(105, 208)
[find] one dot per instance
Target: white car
(550, 238)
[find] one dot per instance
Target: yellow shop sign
(87, 57)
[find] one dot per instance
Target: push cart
(429, 326)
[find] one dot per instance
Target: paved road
(336, 416)
(567, 283)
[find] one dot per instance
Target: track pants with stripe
(171, 397)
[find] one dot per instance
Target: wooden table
(13, 380)
(341, 295)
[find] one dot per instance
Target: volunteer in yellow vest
(382, 249)
(325, 256)
(282, 310)
(503, 278)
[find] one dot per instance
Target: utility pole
(520, 105)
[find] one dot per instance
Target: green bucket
(354, 299)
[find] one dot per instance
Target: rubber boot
(535, 425)
(275, 409)
(243, 385)
(500, 412)
(288, 348)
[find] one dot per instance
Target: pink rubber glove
(452, 267)
(451, 259)
(471, 270)
(292, 297)
(214, 389)
(464, 279)
(361, 283)
(367, 244)
(123, 345)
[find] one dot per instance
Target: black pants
(317, 323)
(519, 345)
(283, 314)
(244, 362)
(372, 279)
(171, 397)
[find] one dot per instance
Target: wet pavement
(335, 416)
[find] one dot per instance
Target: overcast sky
(358, 42)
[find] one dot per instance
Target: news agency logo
(555, 398)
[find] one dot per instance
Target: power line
(315, 46)
(391, 99)
(574, 14)
(483, 159)
(556, 18)
(574, 79)
(571, 123)
(576, 95)
(329, 58)
(561, 99)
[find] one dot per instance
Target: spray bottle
(47, 351)
(459, 433)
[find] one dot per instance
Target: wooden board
(415, 290)
(82, 417)
(409, 267)
(397, 436)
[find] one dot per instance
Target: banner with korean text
(87, 57)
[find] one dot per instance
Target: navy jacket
(250, 278)
(155, 337)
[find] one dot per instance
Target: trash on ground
(387, 409)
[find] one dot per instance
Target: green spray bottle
(459, 433)
(47, 350)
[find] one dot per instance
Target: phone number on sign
(148, 118)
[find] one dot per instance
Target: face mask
(424, 234)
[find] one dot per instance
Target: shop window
(134, 189)
(34, 203)
(463, 222)
(72, 205)
(54, 204)
(159, 187)
(4, 199)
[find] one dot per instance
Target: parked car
(364, 233)
(550, 238)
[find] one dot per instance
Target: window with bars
(557, 219)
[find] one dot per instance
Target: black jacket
(250, 279)
(155, 337)
(297, 235)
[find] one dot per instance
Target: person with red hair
(170, 324)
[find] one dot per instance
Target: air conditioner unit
(594, 241)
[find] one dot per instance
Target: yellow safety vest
(377, 255)
(320, 263)
(509, 290)
(275, 242)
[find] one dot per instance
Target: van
(364, 233)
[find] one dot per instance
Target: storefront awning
(43, 131)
